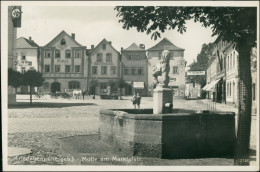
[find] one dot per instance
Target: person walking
(134, 100)
(138, 100)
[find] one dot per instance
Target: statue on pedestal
(161, 70)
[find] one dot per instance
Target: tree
(235, 24)
(92, 84)
(14, 78)
(33, 79)
(120, 84)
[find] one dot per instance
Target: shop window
(74, 85)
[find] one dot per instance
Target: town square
(141, 86)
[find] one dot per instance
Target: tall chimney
(73, 36)
(142, 46)
(92, 47)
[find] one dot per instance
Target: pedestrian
(134, 100)
(138, 100)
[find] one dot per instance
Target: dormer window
(63, 42)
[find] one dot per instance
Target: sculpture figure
(161, 70)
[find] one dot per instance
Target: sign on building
(195, 72)
(16, 14)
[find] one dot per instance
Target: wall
(31, 56)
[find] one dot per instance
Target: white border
(4, 11)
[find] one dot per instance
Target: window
(62, 42)
(57, 53)
(46, 85)
(67, 68)
(67, 53)
(228, 63)
(140, 71)
(47, 54)
(23, 70)
(175, 70)
(99, 57)
(230, 89)
(234, 59)
(94, 70)
(130, 56)
(103, 87)
(133, 69)
(253, 91)
(77, 54)
(227, 89)
(23, 57)
(126, 71)
(57, 68)
(31, 68)
(104, 46)
(74, 85)
(113, 70)
(109, 57)
(47, 68)
(103, 70)
(77, 68)
(29, 63)
(137, 56)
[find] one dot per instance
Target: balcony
(65, 75)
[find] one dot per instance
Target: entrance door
(128, 90)
(55, 86)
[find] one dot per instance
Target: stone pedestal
(161, 97)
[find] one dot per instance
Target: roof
(106, 42)
(133, 47)
(165, 44)
(30, 43)
(59, 36)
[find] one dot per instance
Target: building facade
(177, 66)
(64, 64)
(104, 65)
(134, 69)
(27, 52)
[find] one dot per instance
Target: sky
(91, 24)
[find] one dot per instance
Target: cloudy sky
(91, 24)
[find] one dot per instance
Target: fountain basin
(181, 134)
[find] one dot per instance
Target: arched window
(74, 85)
(62, 42)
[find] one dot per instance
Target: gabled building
(177, 65)
(64, 64)
(27, 52)
(134, 69)
(104, 65)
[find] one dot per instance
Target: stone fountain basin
(181, 134)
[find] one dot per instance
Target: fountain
(167, 132)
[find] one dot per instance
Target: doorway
(55, 86)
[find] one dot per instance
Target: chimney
(92, 47)
(30, 38)
(122, 48)
(109, 42)
(73, 36)
(142, 46)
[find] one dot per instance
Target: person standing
(138, 100)
(134, 98)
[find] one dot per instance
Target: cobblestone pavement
(36, 126)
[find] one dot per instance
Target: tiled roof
(165, 44)
(26, 43)
(134, 47)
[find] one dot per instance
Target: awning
(139, 85)
(212, 84)
(205, 87)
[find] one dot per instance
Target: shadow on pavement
(21, 105)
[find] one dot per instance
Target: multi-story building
(134, 69)
(177, 65)
(104, 65)
(64, 64)
(27, 52)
